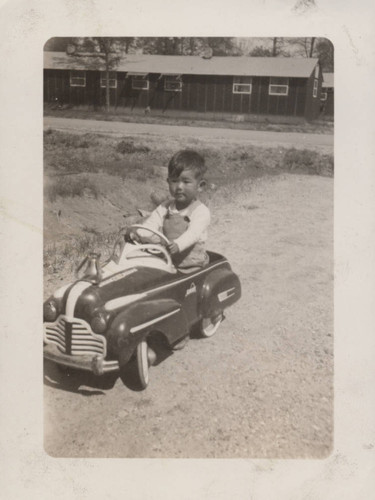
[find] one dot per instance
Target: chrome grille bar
(84, 340)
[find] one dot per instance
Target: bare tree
(220, 46)
(301, 46)
(274, 46)
(312, 46)
(279, 47)
(324, 50)
(103, 53)
(260, 51)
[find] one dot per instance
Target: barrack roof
(192, 65)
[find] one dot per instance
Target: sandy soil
(263, 385)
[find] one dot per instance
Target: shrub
(126, 169)
(70, 187)
(240, 155)
(55, 138)
(307, 161)
(295, 159)
(128, 147)
(325, 165)
(91, 230)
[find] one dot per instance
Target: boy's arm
(153, 221)
(199, 222)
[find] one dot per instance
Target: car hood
(83, 298)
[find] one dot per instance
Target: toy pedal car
(105, 320)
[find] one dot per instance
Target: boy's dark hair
(186, 159)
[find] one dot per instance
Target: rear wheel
(209, 326)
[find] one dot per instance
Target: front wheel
(142, 364)
(135, 373)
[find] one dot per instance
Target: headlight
(50, 310)
(99, 323)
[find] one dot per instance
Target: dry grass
(65, 257)
(66, 153)
(137, 157)
(70, 187)
(249, 122)
(127, 147)
(103, 172)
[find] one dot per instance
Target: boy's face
(185, 188)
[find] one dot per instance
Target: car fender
(135, 323)
(220, 289)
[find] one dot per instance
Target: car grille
(74, 336)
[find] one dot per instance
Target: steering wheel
(157, 233)
(155, 249)
(152, 249)
(158, 250)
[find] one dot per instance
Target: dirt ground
(260, 138)
(263, 385)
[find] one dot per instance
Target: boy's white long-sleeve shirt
(197, 231)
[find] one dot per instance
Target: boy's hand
(132, 236)
(173, 248)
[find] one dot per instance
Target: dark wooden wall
(57, 86)
(199, 93)
(328, 104)
(312, 109)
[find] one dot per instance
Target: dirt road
(259, 138)
(263, 385)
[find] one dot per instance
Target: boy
(184, 219)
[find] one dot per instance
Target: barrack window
(315, 88)
(242, 84)
(140, 82)
(173, 83)
(77, 78)
(278, 86)
(112, 79)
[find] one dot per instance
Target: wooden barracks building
(286, 86)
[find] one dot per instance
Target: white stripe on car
(226, 294)
(74, 295)
(153, 321)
